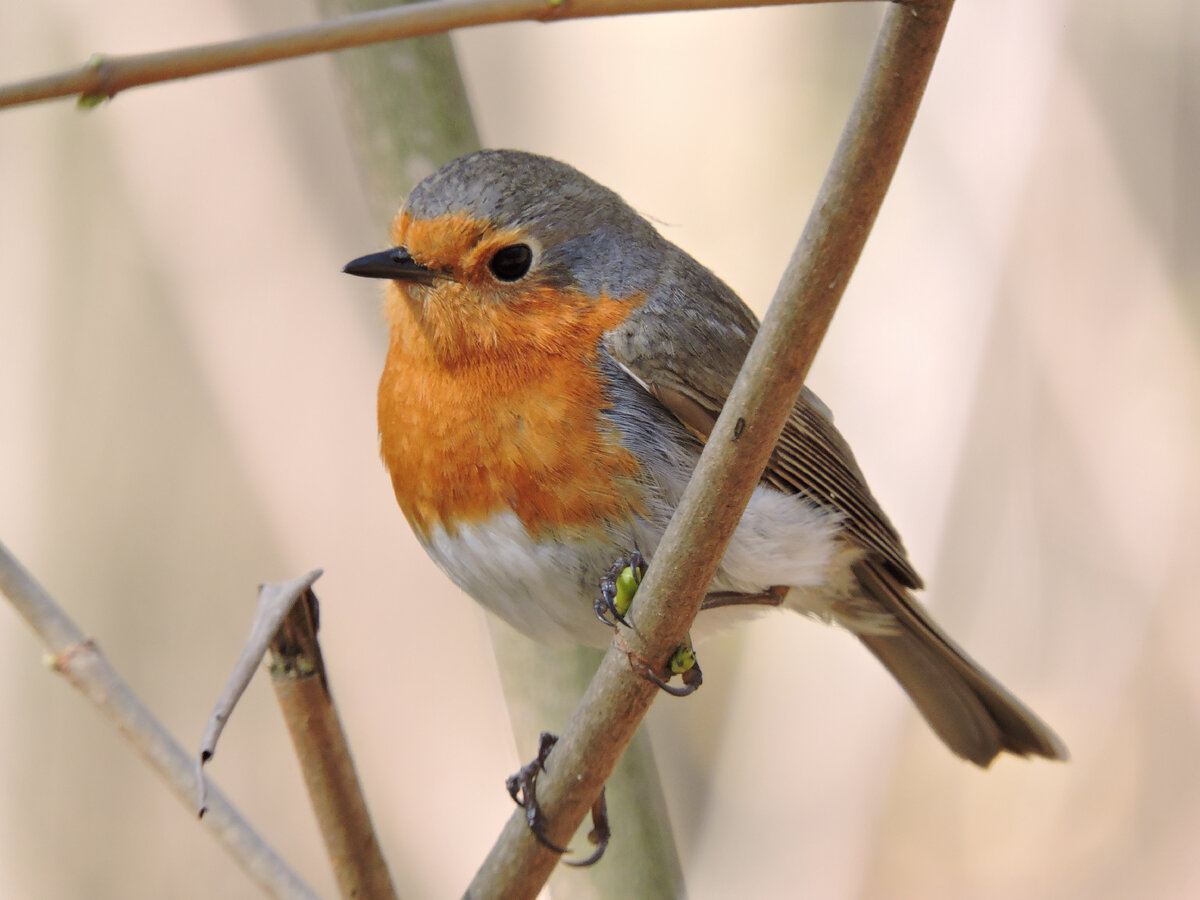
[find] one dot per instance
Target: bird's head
(503, 250)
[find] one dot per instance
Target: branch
(736, 452)
(275, 601)
(542, 687)
(103, 77)
(302, 688)
(285, 623)
(75, 656)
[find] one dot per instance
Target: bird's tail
(967, 708)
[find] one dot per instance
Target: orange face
(470, 312)
(491, 396)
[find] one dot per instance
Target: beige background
(186, 409)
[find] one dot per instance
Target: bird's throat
(465, 437)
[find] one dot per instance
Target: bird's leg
(772, 596)
(684, 663)
(522, 787)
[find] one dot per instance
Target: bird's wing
(685, 346)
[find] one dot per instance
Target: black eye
(512, 262)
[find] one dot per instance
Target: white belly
(546, 588)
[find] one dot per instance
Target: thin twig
(737, 450)
(275, 601)
(302, 689)
(75, 656)
(102, 77)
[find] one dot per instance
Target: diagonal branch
(738, 449)
(103, 77)
(75, 656)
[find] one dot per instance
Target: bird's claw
(617, 588)
(522, 787)
(683, 662)
(599, 835)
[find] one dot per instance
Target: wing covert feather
(685, 346)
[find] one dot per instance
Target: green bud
(627, 585)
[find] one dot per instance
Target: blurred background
(187, 409)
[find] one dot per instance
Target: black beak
(395, 264)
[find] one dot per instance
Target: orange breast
(517, 427)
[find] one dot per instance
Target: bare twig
(274, 603)
(737, 450)
(77, 657)
(102, 77)
(302, 688)
(285, 622)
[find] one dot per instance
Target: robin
(554, 369)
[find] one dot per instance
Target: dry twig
(75, 656)
(737, 450)
(302, 688)
(102, 77)
(285, 622)
(275, 601)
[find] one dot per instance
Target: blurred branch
(542, 686)
(75, 656)
(407, 110)
(103, 77)
(737, 451)
(405, 106)
(302, 688)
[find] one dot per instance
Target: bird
(553, 370)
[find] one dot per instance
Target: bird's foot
(522, 787)
(617, 589)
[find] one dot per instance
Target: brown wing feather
(813, 459)
(685, 345)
